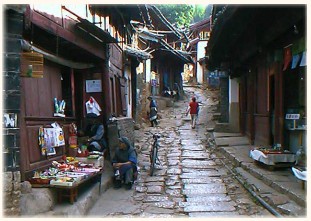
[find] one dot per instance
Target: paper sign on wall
(93, 86)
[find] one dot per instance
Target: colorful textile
(303, 61)
(287, 57)
(295, 60)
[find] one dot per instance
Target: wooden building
(199, 34)
(72, 59)
(74, 68)
(262, 49)
(75, 57)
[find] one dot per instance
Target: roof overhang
(239, 32)
(179, 54)
(95, 31)
(139, 54)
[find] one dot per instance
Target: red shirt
(193, 107)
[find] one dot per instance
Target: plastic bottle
(56, 105)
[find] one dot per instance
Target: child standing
(193, 108)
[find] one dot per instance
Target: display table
(71, 191)
(70, 174)
(273, 158)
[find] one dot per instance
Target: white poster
(93, 86)
(54, 137)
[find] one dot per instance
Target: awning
(137, 53)
(26, 46)
(184, 57)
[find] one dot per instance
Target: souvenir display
(67, 173)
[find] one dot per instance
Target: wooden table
(71, 192)
(273, 160)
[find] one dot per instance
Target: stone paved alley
(191, 180)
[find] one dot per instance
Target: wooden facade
(71, 58)
(255, 58)
(75, 51)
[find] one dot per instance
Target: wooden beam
(65, 33)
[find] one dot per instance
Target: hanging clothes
(92, 106)
(287, 57)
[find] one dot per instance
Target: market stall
(273, 157)
(67, 176)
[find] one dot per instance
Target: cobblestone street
(191, 179)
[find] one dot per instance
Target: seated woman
(95, 131)
(124, 164)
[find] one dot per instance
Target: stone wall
(126, 128)
(141, 102)
(224, 99)
(13, 23)
(12, 193)
(123, 126)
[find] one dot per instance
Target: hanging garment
(287, 57)
(303, 61)
(92, 106)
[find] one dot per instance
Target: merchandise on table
(63, 181)
(270, 156)
(76, 176)
(69, 172)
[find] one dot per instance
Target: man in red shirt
(194, 110)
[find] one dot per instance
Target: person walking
(153, 112)
(193, 108)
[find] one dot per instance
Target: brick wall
(13, 23)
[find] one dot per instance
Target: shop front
(62, 70)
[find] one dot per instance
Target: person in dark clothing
(124, 164)
(153, 114)
(95, 131)
(176, 91)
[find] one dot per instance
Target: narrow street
(191, 180)
(78, 78)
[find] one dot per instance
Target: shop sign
(292, 116)
(93, 86)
